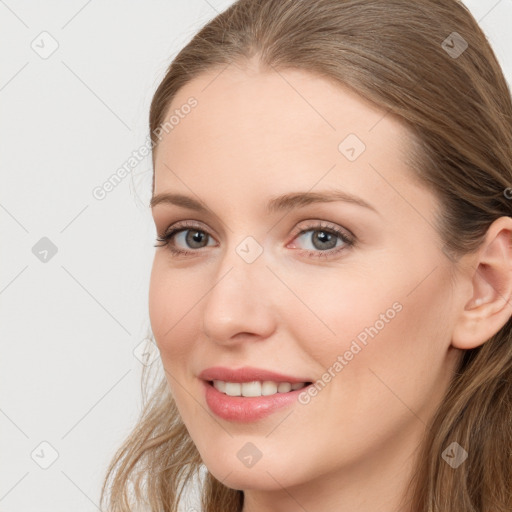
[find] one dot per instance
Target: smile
(246, 409)
(256, 388)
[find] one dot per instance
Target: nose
(239, 305)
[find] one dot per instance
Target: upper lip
(246, 374)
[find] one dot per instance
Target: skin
(255, 135)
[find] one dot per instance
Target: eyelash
(348, 240)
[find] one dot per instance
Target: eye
(324, 238)
(322, 244)
(188, 234)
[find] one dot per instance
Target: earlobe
(489, 305)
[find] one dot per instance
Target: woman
(331, 290)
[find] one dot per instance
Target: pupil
(196, 236)
(324, 236)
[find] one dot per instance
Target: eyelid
(345, 235)
(185, 224)
(319, 224)
(297, 230)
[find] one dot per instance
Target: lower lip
(247, 409)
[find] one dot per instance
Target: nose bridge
(238, 300)
(242, 265)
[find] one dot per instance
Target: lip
(243, 409)
(247, 409)
(247, 374)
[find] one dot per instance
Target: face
(351, 293)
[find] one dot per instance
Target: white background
(69, 325)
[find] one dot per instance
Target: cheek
(333, 311)
(365, 325)
(173, 296)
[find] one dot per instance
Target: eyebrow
(276, 204)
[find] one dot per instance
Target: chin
(248, 479)
(264, 475)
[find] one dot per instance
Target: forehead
(278, 130)
(289, 104)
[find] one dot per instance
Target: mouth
(256, 388)
(248, 402)
(248, 393)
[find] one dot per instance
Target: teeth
(284, 387)
(251, 388)
(256, 388)
(233, 388)
(268, 388)
(220, 385)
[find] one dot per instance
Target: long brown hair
(428, 62)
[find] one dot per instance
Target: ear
(488, 305)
